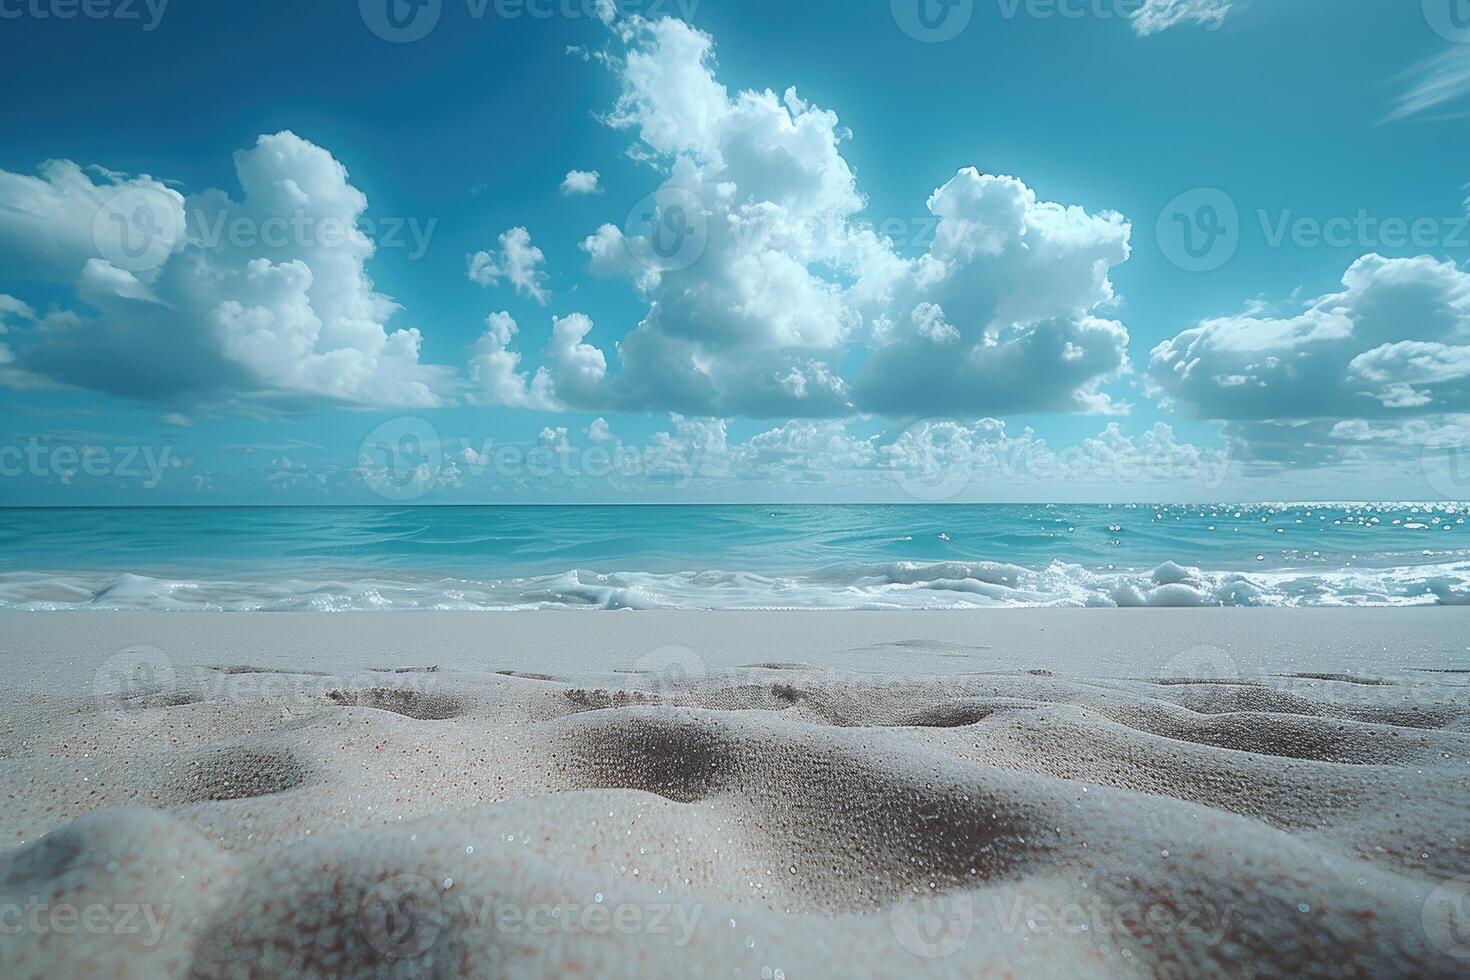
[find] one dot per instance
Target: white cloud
(13, 309)
(49, 223)
(1392, 342)
(962, 458)
(518, 261)
(1024, 275)
(495, 374)
(600, 431)
(1392, 346)
(1160, 15)
(581, 182)
(1434, 82)
(177, 420)
(213, 317)
(789, 282)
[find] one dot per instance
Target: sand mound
(410, 704)
(777, 820)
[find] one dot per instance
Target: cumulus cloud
(1160, 15)
(956, 458)
(172, 308)
(50, 223)
(766, 285)
(519, 262)
(495, 372)
(1016, 279)
(581, 182)
(12, 309)
(1394, 344)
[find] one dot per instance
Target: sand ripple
(771, 821)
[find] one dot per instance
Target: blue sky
(943, 268)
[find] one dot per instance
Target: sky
(547, 251)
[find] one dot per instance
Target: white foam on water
(884, 585)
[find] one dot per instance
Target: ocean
(734, 557)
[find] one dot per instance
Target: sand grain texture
(679, 814)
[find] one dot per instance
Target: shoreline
(1132, 643)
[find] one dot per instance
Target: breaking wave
(884, 585)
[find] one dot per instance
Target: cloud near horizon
(1391, 347)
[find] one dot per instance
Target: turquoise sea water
(733, 557)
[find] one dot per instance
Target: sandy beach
(1027, 793)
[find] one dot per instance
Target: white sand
(1077, 794)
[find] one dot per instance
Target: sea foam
(880, 585)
